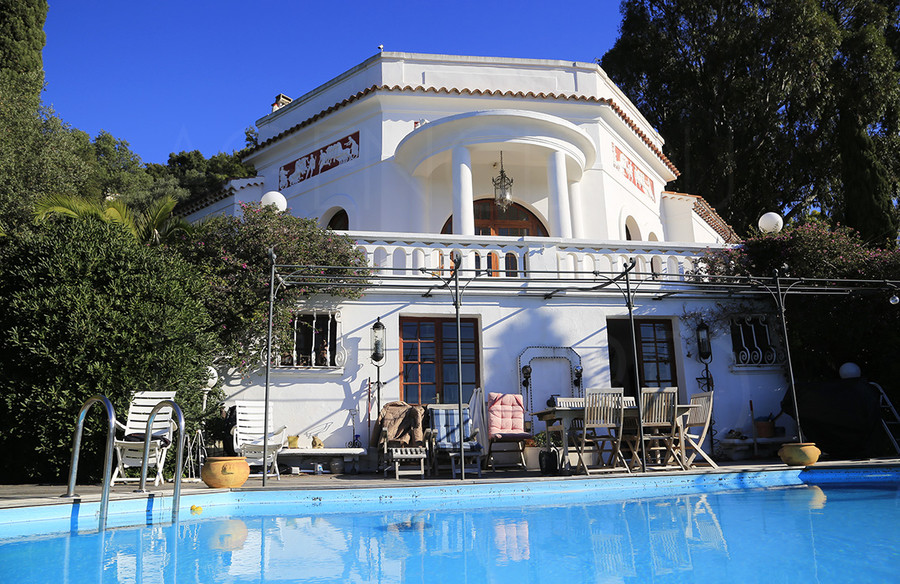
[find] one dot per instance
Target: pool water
(809, 533)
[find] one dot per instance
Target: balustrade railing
(400, 254)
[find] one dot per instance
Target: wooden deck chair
(604, 413)
(506, 424)
(401, 439)
(249, 437)
(130, 448)
(696, 427)
(444, 421)
(659, 427)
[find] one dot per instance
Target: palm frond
(67, 205)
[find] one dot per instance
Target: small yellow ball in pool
(196, 509)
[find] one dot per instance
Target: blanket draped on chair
(401, 424)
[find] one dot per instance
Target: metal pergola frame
(547, 285)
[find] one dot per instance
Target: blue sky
(193, 74)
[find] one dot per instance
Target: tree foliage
(232, 253)
(200, 176)
(22, 40)
(85, 310)
(827, 330)
(39, 155)
(749, 94)
(153, 226)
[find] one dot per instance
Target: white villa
(402, 152)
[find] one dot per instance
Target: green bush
(232, 253)
(86, 310)
(827, 330)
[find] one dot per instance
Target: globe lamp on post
(274, 199)
(771, 222)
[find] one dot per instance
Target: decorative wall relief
(317, 162)
(634, 174)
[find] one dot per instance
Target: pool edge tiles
(80, 515)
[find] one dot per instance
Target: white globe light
(771, 223)
(850, 371)
(213, 377)
(274, 198)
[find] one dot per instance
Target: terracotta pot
(799, 453)
(225, 472)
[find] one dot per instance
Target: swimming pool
(783, 527)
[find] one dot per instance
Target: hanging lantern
(502, 188)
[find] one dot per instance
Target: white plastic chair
(130, 449)
(248, 436)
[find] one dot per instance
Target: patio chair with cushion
(696, 427)
(401, 439)
(604, 413)
(130, 449)
(250, 437)
(445, 423)
(506, 424)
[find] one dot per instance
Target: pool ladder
(110, 446)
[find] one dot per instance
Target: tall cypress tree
(868, 206)
(749, 93)
(22, 40)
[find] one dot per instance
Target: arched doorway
(516, 221)
(340, 221)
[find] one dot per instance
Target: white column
(560, 216)
(463, 209)
(577, 210)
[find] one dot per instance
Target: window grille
(753, 342)
(315, 340)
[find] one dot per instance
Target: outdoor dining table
(566, 415)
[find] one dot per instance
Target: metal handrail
(110, 446)
(179, 454)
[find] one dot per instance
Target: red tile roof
(477, 92)
(706, 212)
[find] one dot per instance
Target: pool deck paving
(29, 495)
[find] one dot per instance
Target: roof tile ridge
(493, 93)
(709, 214)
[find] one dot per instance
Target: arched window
(632, 231)
(340, 221)
(516, 221)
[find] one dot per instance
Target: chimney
(281, 100)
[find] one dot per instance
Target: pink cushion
(506, 414)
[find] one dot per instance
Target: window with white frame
(753, 342)
(316, 341)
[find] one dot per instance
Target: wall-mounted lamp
(579, 373)
(526, 376)
(704, 354)
(703, 345)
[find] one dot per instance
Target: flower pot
(225, 472)
(799, 453)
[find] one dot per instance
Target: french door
(428, 350)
